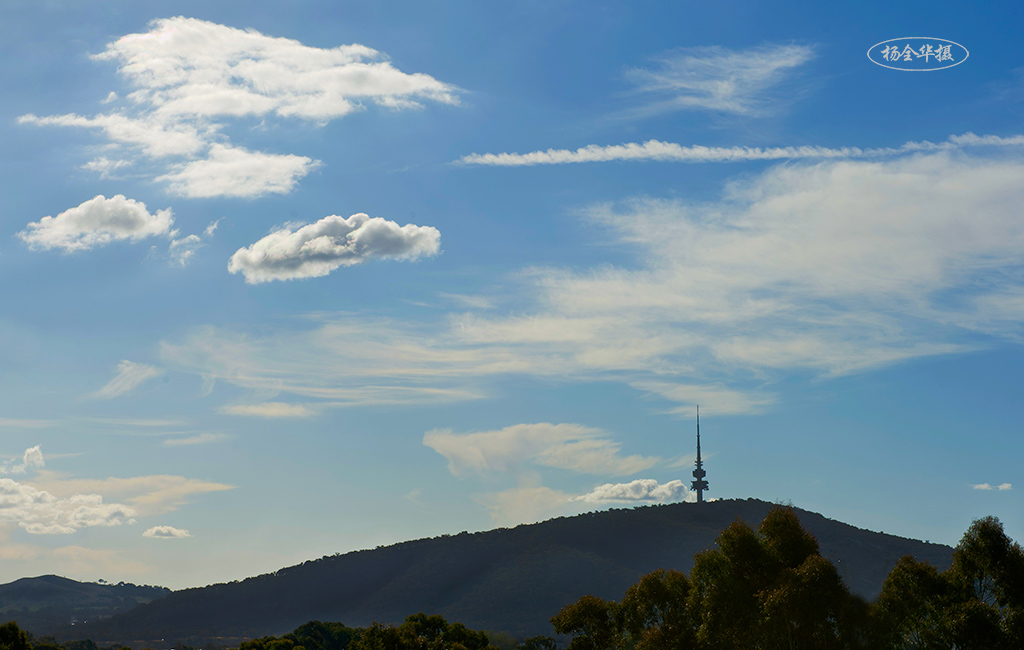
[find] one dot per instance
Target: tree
(910, 610)
(771, 589)
(591, 622)
(654, 612)
(987, 576)
(726, 582)
(13, 637)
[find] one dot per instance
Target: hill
(50, 602)
(511, 580)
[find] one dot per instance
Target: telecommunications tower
(699, 484)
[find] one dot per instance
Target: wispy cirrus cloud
(827, 268)
(147, 495)
(671, 152)
(316, 249)
(512, 449)
(718, 79)
(189, 76)
(198, 439)
(130, 375)
(269, 410)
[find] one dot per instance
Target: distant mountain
(49, 603)
(510, 580)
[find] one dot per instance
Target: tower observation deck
(699, 484)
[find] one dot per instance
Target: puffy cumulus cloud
(988, 486)
(238, 172)
(269, 410)
(718, 79)
(130, 375)
(31, 459)
(529, 503)
(41, 513)
(97, 222)
(566, 446)
(190, 67)
(317, 249)
(190, 76)
(148, 495)
(166, 532)
(644, 489)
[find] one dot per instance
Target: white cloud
(643, 489)
(97, 222)
(194, 68)
(130, 375)
(148, 495)
(529, 503)
(716, 400)
(199, 439)
(182, 250)
(31, 459)
(655, 150)
(987, 486)
(269, 410)
(156, 138)
(189, 76)
(25, 424)
(510, 450)
(719, 79)
(524, 505)
(105, 166)
(828, 269)
(41, 513)
(166, 532)
(672, 152)
(237, 172)
(317, 249)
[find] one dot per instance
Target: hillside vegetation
(512, 580)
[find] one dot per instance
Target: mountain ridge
(507, 579)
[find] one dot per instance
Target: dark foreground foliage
(418, 632)
(763, 589)
(770, 589)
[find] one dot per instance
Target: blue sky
(291, 279)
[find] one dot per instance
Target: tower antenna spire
(699, 484)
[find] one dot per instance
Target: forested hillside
(47, 603)
(511, 580)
